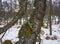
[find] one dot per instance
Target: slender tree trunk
(0, 11)
(0, 6)
(50, 17)
(11, 5)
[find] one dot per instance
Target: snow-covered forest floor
(12, 34)
(51, 39)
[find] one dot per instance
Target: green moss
(25, 30)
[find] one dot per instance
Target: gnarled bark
(35, 23)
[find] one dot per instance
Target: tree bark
(50, 17)
(35, 23)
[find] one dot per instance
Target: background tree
(0, 9)
(50, 17)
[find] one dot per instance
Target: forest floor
(12, 34)
(51, 39)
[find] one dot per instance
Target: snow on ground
(50, 42)
(1, 26)
(12, 34)
(55, 32)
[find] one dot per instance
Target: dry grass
(47, 37)
(7, 42)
